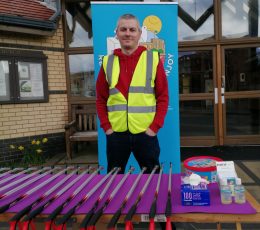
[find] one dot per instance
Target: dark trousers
(145, 149)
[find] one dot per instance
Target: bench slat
(90, 122)
(85, 124)
(80, 121)
(84, 136)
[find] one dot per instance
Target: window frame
(74, 51)
(15, 56)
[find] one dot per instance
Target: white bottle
(225, 192)
(240, 197)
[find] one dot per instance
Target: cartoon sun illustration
(153, 24)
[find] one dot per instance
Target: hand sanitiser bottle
(240, 197)
(225, 192)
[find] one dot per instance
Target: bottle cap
(223, 181)
(238, 181)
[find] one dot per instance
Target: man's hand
(150, 132)
(109, 131)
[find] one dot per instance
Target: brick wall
(21, 122)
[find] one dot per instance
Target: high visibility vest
(137, 113)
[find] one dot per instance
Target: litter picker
(56, 212)
(132, 210)
(90, 220)
(22, 185)
(154, 204)
(168, 209)
(12, 176)
(26, 194)
(27, 209)
(111, 225)
(61, 222)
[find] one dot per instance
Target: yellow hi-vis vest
(137, 113)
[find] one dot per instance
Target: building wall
(25, 121)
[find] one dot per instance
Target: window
(82, 82)
(195, 20)
(79, 50)
(242, 69)
(78, 24)
(23, 77)
(195, 72)
(240, 18)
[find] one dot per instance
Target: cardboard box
(195, 195)
(226, 171)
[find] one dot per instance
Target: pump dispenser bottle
(225, 192)
(239, 192)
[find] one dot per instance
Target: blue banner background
(104, 20)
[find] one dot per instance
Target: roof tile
(31, 9)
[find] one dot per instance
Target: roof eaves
(27, 22)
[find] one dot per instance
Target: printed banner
(159, 32)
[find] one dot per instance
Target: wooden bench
(83, 126)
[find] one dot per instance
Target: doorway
(219, 96)
(197, 81)
(241, 94)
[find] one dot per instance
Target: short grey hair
(128, 17)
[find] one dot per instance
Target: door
(219, 96)
(198, 109)
(241, 94)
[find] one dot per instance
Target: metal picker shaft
(28, 208)
(26, 194)
(19, 181)
(90, 220)
(153, 206)
(91, 212)
(168, 210)
(27, 220)
(117, 214)
(132, 210)
(65, 217)
(12, 171)
(57, 211)
(4, 169)
(53, 177)
(37, 211)
(13, 175)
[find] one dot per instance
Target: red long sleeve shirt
(127, 67)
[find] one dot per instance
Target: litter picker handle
(66, 216)
(153, 209)
(55, 213)
(130, 213)
(114, 219)
(168, 210)
(20, 214)
(34, 213)
(87, 218)
(95, 218)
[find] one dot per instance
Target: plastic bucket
(205, 166)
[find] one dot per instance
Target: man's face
(128, 34)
